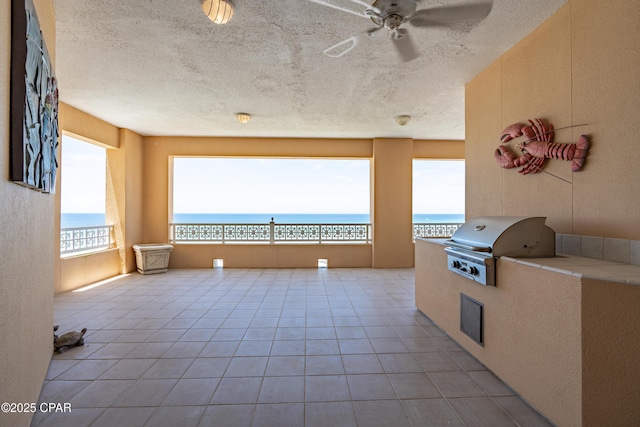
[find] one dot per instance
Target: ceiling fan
(392, 14)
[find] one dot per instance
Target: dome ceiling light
(402, 120)
(218, 11)
(243, 117)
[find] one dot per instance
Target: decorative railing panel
(322, 233)
(220, 233)
(81, 239)
(270, 233)
(433, 231)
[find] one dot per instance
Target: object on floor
(152, 258)
(69, 339)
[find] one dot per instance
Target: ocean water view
(69, 220)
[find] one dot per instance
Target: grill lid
(506, 235)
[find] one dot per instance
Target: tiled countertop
(589, 268)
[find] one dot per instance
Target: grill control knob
(473, 270)
(455, 264)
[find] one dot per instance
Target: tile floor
(262, 347)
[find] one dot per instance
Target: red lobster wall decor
(538, 147)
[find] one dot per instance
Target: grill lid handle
(468, 247)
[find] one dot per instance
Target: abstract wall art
(34, 103)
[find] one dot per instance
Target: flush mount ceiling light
(402, 120)
(219, 11)
(243, 117)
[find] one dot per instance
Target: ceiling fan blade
(345, 46)
(373, 30)
(332, 4)
(451, 15)
(343, 9)
(341, 48)
(403, 44)
(367, 5)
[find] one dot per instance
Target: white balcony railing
(84, 239)
(270, 233)
(273, 233)
(434, 231)
(95, 238)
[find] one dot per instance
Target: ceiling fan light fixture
(402, 120)
(243, 117)
(218, 11)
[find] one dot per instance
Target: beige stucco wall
(80, 270)
(606, 94)
(566, 344)
(270, 256)
(390, 194)
(159, 150)
(26, 254)
(580, 66)
(532, 327)
(391, 177)
(139, 189)
(124, 195)
(610, 349)
(437, 149)
(88, 128)
(123, 170)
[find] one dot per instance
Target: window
(254, 190)
(438, 191)
(83, 185)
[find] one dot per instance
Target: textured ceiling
(160, 67)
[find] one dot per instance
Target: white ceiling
(160, 67)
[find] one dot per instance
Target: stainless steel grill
(476, 245)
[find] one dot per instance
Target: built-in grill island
(474, 247)
(554, 327)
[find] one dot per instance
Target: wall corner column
(124, 195)
(391, 208)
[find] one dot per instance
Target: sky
(438, 186)
(258, 185)
(83, 173)
(224, 185)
